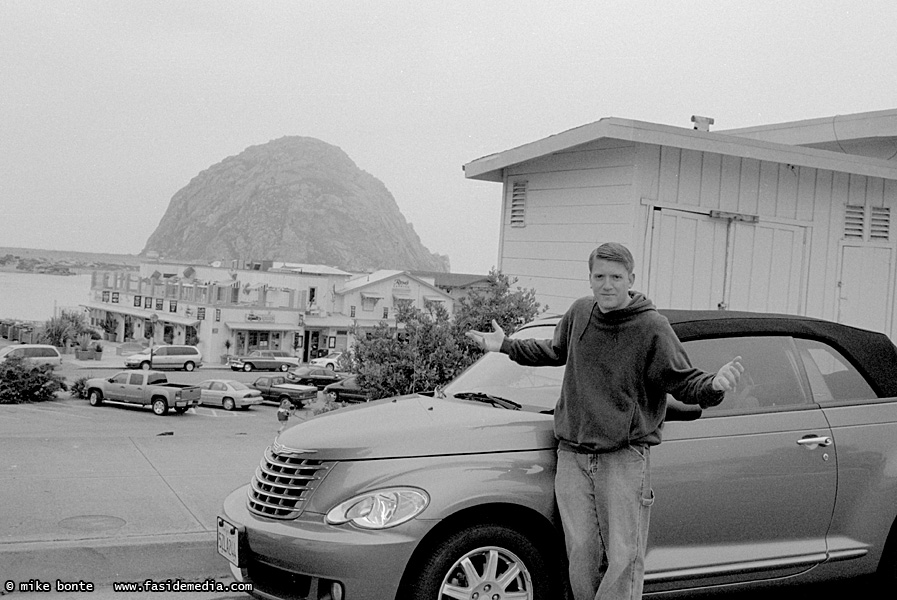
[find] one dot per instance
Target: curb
(190, 557)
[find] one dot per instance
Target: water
(35, 297)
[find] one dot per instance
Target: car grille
(283, 484)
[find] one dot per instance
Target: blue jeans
(605, 504)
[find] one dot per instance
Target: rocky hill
(294, 199)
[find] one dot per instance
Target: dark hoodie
(620, 366)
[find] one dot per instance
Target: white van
(42, 354)
(166, 357)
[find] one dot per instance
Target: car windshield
(238, 386)
(535, 388)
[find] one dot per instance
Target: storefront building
(307, 310)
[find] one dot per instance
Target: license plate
(229, 541)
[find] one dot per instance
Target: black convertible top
(872, 353)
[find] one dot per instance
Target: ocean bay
(36, 296)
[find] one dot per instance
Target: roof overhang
(143, 314)
(260, 326)
(839, 128)
(491, 168)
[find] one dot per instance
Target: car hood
(418, 425)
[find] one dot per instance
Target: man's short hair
(615, 252)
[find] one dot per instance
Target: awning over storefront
(260, 326)
(372, 295)
(341, 321)
(143, 314)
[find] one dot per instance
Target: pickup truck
(791, 480)
(277, 389)
(145, 388)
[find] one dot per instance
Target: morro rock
(295, 199)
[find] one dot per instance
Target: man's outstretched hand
(489, 341)
(728, 375)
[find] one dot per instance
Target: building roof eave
(491, 168)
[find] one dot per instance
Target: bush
(79, 388)
(21, 382)
(429, 349)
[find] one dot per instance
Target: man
(622, 359)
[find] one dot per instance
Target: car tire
(228, 404)
(95, 398)
(160, 406)
(491, 551)
(248, 367)
(284, 367)
(146, 366)
(189, 366)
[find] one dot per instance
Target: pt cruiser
(792, 479)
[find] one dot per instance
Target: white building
(792, 217)
(304, 309)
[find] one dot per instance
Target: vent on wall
(867, 223)
(518, 204)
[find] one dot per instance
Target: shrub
(79, 388)
(21, 381)
(328, 406)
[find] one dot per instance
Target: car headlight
(380, 509)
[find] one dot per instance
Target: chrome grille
(283, 483)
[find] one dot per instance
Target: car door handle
(813, 441)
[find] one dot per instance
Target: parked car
(329, 361)
(149, 388)
(228, 394)
(347, 390)
(319, 377)
(789, 480)
(264, 360)
(166, 357)
(41, 354)
(276, 388)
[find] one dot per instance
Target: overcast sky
(108, 108)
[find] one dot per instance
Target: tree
(423, 354)
(65, 328)
(510, 308)
(429, 348)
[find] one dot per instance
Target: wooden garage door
(701, 261)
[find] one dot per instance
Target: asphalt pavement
(94, 498)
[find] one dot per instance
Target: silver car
(792, 479)
(228, 394)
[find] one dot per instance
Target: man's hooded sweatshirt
(620, 366)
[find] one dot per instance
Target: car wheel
(488, 560)
(145, 365)
(189, 366)
(160, 406)
(247, 367)
(331, 366)
(284, 367)
(228, 404)
(95, 398)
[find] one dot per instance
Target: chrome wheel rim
(487, 573)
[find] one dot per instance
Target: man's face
(610, 282)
